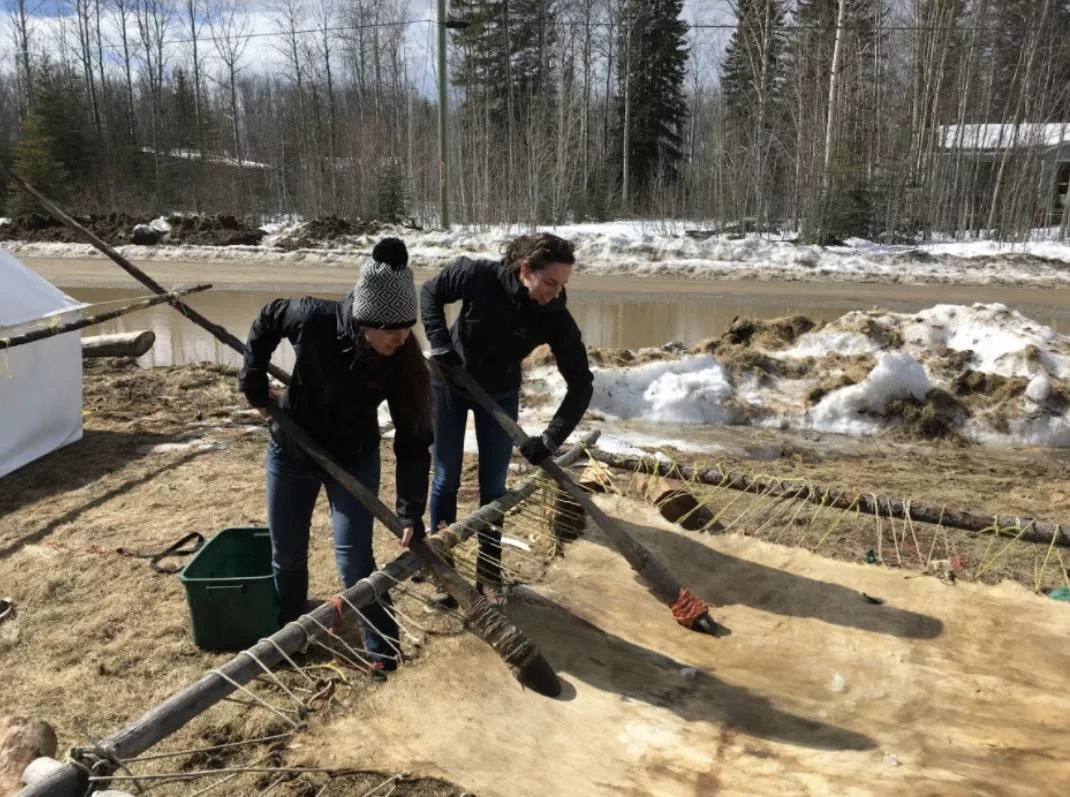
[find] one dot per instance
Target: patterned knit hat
(385, 295)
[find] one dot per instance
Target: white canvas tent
(40, 382)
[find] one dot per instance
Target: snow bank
(998, 340)
(685, 391)
(984, 372)
(659, 248)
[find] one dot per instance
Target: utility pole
(626, 145)
(443, 80)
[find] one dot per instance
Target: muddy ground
(97, 637)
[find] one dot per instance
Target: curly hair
(539, 251)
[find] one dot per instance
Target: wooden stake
(676, 504)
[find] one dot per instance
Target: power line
(305, 31)
(595, 24)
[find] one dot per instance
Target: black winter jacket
(337, 386)
(499, 325)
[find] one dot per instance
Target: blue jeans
(292, 489)
(450, 416)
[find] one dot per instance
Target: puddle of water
(608, 318)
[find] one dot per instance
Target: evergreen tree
(182, 102)
(505, 55)
(653, 64)
(60, 102)
(390, 192)
(37, 162)
(752, 74)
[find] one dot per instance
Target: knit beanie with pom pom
(385, 294)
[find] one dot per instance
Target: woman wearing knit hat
(508, 307)
(351, 356)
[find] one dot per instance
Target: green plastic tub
(230, 590)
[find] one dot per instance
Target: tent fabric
(40, 382)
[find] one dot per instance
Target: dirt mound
(218, 230)
(610, 357)
(318, 232)
(840, 371)
(113, 228)
(988, 389)
(772, 335)
(124, 228)
(939, 416)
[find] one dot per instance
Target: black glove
(256, 392)
(535, 450)
(448, 359)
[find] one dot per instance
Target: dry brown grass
(772, 335)
(98, 638)
(607, 357)
(943, 472)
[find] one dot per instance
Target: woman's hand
(535, 450)
(447, 358)
(272, 398)
(406, 537)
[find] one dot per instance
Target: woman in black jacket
(351, 356)
(508, 307)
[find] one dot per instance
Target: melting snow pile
(984, 372)
(693, 390)
(653, 248)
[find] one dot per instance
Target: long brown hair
(412, 375)
(539, 251)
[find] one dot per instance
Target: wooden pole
(508, 641)
(1026, 529)
(443, 118)
(661, 581)
(119, 344)
(219, 332)
(171, 715)
(99, 318)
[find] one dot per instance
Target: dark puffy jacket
(337, 386)
(499, 325)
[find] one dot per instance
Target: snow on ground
(685, 391)
(661, 248)
(984, 372)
